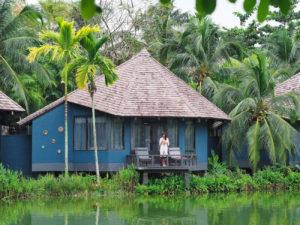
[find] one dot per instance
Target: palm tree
(17, 33)
(198, 52)
(86, 70)
(63, 47)
(259, 118)
(284, 50)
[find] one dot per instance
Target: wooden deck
(153, 163)
(146, 164)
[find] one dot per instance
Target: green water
(254, 209)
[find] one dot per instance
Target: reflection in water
(235, 209)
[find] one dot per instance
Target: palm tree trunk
(95, 140)
(66, 132)
(199, 87)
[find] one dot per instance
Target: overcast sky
(222, 16)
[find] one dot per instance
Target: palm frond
(12, 80)
(246, 105)
(49, 36)
(227, 97)
(85, 31)
(36, 52)
(82, 76)
(254, 144)
(107, 68)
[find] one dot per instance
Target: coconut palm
(259, 119)
(284, 50)
(63, 47)
(198, 52)
(86, 69)
(17, 33)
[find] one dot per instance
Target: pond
(258, 209)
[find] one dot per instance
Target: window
(139, 133)
(109, 133)
(80, 136)
(117, 134)
(190, 138)
(172, 130)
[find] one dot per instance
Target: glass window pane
(190, 138)
(101, 132)
(117, 134)
(172, 130)
(138, 134)
(80, 142)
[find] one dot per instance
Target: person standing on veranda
(163, 148)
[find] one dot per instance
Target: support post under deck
(145, 178)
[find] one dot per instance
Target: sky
(222, 16)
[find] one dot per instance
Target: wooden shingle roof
(7, 104)
(145, 89)
(292, 84)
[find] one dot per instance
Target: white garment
(164, 144)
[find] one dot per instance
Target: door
(146, 133)
(156, 131)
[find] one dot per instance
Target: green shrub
(152, 189)
(244, 182)
(127, 179)
(198, 186)
(215, 166)
(269, 179)
(169, 185)
(9, 183)
(292, 180)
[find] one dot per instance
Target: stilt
(145, 178)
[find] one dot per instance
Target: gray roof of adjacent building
(7, 104)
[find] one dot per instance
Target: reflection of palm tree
(97, 215)
(66, 219)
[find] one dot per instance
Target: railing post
(152, 160)
(168, 160)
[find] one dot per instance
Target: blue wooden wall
(15, 152)
(48, 155)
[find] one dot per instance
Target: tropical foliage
(237, 68)
(197, 54)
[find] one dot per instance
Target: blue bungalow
(146, 100)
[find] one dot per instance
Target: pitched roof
(7, 104)
(145, 88)
(292, 84)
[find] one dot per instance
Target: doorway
(147, 132)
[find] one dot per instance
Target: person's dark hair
(164, 135)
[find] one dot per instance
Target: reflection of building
(146, 100)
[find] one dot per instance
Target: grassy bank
(219, 179)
